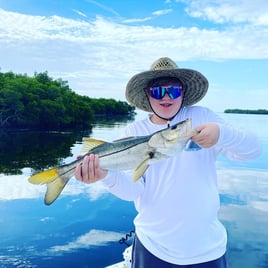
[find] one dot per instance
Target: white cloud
(230, 181)
(90, 239)
(17, 187)
(103, 7)
(154, 14)
(98, 57)
(221, 98)
(229, 11)
(80, 13)
(260, 205)
(162, 12)
(249, 186)
(95, 40)
(137, 20)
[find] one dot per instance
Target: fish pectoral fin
(44, 177)
(54, 189)
(140, 169)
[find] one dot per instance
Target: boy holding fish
(177, 198)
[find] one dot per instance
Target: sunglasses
(158, 92)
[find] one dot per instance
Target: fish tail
(44, 177)
(55, 179)
(54, 189)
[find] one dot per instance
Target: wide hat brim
(194, 83)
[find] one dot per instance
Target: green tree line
(242, 111)
(43, 102)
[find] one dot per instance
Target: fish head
(177, 131)
(173, 138)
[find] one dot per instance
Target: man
(177, 199)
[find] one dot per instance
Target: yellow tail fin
(44, 177)
(54, 180)
(54, 189)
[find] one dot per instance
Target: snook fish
(134, 153)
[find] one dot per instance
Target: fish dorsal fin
(90, 143)
(140, 169)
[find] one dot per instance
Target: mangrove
(41, 102)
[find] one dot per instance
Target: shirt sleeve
(234, 143)
(237, 144)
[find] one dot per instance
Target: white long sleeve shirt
(177, 199)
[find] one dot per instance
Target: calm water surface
(83, 227)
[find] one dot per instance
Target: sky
(97, 46)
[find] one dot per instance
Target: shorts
(142, 258)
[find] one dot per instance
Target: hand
(89, 170)
(208, 135)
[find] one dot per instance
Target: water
(83, 227)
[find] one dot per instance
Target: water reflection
(41, 150)
(37, 150)
(83, 227)
(244, 207)
(110, 121)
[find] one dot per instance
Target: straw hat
(194, 83)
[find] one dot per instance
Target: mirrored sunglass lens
(156, 92)
(174, 92)
(159, 92)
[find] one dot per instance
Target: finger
(195, 136)
(97, 168)
(199, 128)
(91, 176)
(84, 169)
(197, 131)
(81, 171)
(90, 170)
(78, 172)
(97, 162)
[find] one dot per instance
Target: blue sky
(97, 46)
